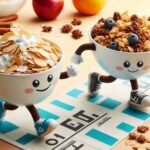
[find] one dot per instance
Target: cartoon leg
(95, 80)
(138, 98)
(64, 75)
(43, 126)
(3, 107)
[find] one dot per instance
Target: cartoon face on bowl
(29, 89)
(125, 56)
(29, 70)
(123, 65)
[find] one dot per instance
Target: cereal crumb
(135, 148)
(142, 129)
(132, 136)
(77, 34)
(76, 22)
(141, 139)
(66, 28)
(46, 29)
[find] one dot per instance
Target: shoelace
(40, 126)
(140, 94)
(97, 86)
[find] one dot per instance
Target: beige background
(29, 20)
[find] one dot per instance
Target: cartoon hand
(72, 70)
(77, 59)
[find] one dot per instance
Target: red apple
(48, 9)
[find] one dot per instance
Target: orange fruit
(89, 7)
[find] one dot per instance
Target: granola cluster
(139, 139)
(46, 29)
(21, 53)
(76, 22)
(76, 33)
(66, 28)
(142, 129)
(123, 32)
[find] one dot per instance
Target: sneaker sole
(137, 105)
(49, 130)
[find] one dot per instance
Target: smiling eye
(50, 78)
(140, 64)
(36, 83)
(126, 64)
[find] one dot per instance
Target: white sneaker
(139, 99)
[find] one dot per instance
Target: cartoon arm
(72, 71)
(77, 58)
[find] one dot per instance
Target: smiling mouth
(43, 89)
(133, 71)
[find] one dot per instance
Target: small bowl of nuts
(29, 67)
(122, 45)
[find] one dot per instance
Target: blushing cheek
(119, 68)
(146, 67)
(55, 81)
(28, 90)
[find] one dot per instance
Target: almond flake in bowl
(21, 53)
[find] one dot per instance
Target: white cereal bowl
(19, 89)
(11, 7)
(113, 61)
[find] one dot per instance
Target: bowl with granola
(29, 67)
(122, 45)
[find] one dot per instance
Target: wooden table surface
(28, 18)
